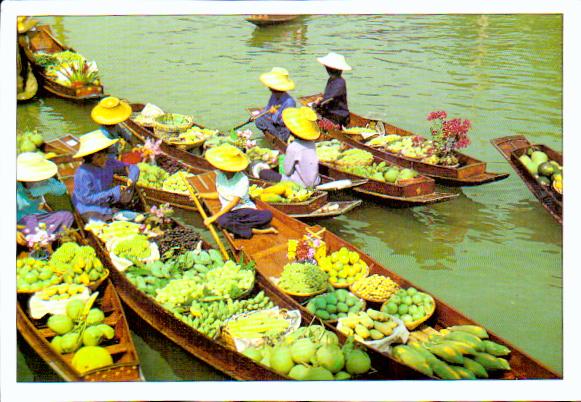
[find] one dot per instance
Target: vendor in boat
(109, 112)
(26, 83)
(94, 193)
(34, 174)
(333, 106)
(301, 163)
(239, 214)
(278, 81)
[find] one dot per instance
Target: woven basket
(184, 145)
(169, 124)
(414, 324)
(367, 298)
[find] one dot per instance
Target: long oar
(250, 120)
(210, 227)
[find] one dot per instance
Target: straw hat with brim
(334, 60)
(302, 122)
(33, 166)
(111, 110)
(92, 142)
(277, 79)
(25, 24)
(227, 157)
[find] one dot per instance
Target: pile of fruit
(344, 267)
(303, 279)
(61, 292)
(409, 305)
(354, 157)
(312, 354)
(113, 230)
(180, 239)
(74, 330)
(135, 248)
(151, 175)
(76, 264)
(269, 324)
(547, 172)
(227, 282)
(68, 68)
(194, 134)
(33, 275)
(285, 192)
(381, 172)
(409, 146)
(383, 140)
(377, 288)
(269, 156)
(370, 325)
(359, 130)
(328, 151)
(175, 182)
(28, 142)
(454, 353)
(335, 305)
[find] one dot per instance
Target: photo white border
(567, 389)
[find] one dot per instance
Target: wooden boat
(415, 192)
(126, 361)
(471, 172)
(269, 252)
(41, 39)
(262, 20)
(514, 146)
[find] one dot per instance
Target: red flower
(437, 115)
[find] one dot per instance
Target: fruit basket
(169, 124)
(374, 288)
(364, 274)
(426, 300)
(314, 306)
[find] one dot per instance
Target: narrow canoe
(471, 172)
(416, 192)
(262, 20)
(121, 347)
(269, 252)
(41, 39)
(514, 146)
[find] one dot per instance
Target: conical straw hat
(33, 166)
(92, 142)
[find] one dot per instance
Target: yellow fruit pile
(344, 267)
(61, 292)
(371, 325)
(377, 288)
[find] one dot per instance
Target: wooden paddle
(203, 214)
(251, 119)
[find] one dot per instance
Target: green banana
(495, 349)
(464, 373)
(476, 368)
(423, 351)
(471, 329)
(490, 362)
(444, 371)
(412, 358)
(462, 347)
(446, 352)
(465, 337)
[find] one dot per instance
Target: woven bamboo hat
(92, 142)
(111, 110)
(302, 122)
(334, 60)
(228, 158)
(277, 79)
(33, 166)
(25, 24)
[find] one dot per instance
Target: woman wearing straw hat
(336, 109)
(301, 163)
(35, 180)
(238, 215)
(94, 193)
(109, 112)
(279, 83)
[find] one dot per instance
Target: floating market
(189, 210)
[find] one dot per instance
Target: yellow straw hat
(334, 60)
(92, 142)
(24, 24)
(277, 79)
(227, 157)
(33, 166)
(111, 110)
(302, 122)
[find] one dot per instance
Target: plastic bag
(400, 335)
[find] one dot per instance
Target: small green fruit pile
(303, 278)
(28, 142)
(151, 175)
(409, 305)
(33, 275)
(335, 305)
(382, 172)
(73, 331)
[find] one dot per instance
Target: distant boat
(270, 19)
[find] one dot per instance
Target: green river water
(493, 253)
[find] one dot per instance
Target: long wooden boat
(126, 362)
(269, 252)
(512, 148)
(415, 192)
(262, 20)
(41, 39)
(471, 172)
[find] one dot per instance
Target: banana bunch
(454, 353)
(328, 151)
(61, 292)
(355, 157)
(383, 140)
(257, 325)
(283, 192)
(76, 264)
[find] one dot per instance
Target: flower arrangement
(40, 242)
(448, 135)
(158, 217)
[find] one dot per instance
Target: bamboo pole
(210, 227)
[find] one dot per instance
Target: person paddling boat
(94, 194)
(34, 175)
(278, 81)
(238, 214)
(333, 106)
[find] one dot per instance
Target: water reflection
(289, 37)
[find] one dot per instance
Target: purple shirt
(285, 100)
(93, 186)
(301, 163)
(336, 109)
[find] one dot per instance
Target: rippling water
(493, 253)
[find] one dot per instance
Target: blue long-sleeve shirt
(93, 186)
(28, 200)
(285, 100)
